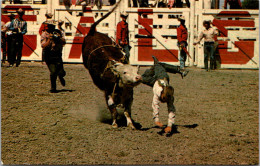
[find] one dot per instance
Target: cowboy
(60, 23)
(178, 3)
(18, 27)
(9, 34)
(233, 4)
(3, 41)
(52, 43)
(43, 28)
(182, 35)
(44, 24)
(209, 40)
(158, 78)
(122, 34)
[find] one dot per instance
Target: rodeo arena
(129, 82)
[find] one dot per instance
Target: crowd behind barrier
(131, 3)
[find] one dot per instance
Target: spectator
(182, 35)
(43, 28)
(9, 36)
(17, 1)
(122, 34)
(60, 23)
(158, 78)
(85, 3)
(233, 4)
(44, 24)
(112, 2)
(3, 41)
(160, 3)
(19, 28)
(208, 34)
(52, 43)
(178, 3)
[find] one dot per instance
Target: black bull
(99, 56)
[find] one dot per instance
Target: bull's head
(128, 75)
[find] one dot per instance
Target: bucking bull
(110, 71)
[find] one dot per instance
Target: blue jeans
(183, 55)
(209, 53)
(127, 51)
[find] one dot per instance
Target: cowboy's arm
(24, 29)
(201, 35)
(118, 34)
(225, 4)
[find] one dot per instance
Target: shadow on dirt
(104, 116)
(65, 90)
(174, 129)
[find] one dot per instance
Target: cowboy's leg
(212, 56)
(170, 68)
(160, 72)
(3, 45)
(171, 114)
(148, 77)
(127, 51)
(182, 58)
(157, 89)
(19, 51)
(206, 55)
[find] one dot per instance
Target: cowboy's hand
(182, 45)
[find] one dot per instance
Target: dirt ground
(216, 120)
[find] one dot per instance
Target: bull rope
(102, 47)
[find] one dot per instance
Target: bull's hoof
(114, 125)
(159, 124)
(131, 126)
(167, 129)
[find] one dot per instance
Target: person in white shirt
(209, 39)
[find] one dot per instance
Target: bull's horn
(119, 64)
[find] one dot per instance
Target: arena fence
(152, 32)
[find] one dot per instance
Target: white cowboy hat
(49, 15)
(124, 14)
(60, 21)
(181, 18)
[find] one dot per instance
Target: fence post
(49, 7)
(192, 20)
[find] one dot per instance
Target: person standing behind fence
(182, 36)
(3, 41)
(43, 28)
(122, 34)
(60, 23)
(233, 4)
(19, 28)
(52, 43)
(44, 24)
(178, 3)
(208, 34)
(9, 36)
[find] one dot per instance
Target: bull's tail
(93, 26)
